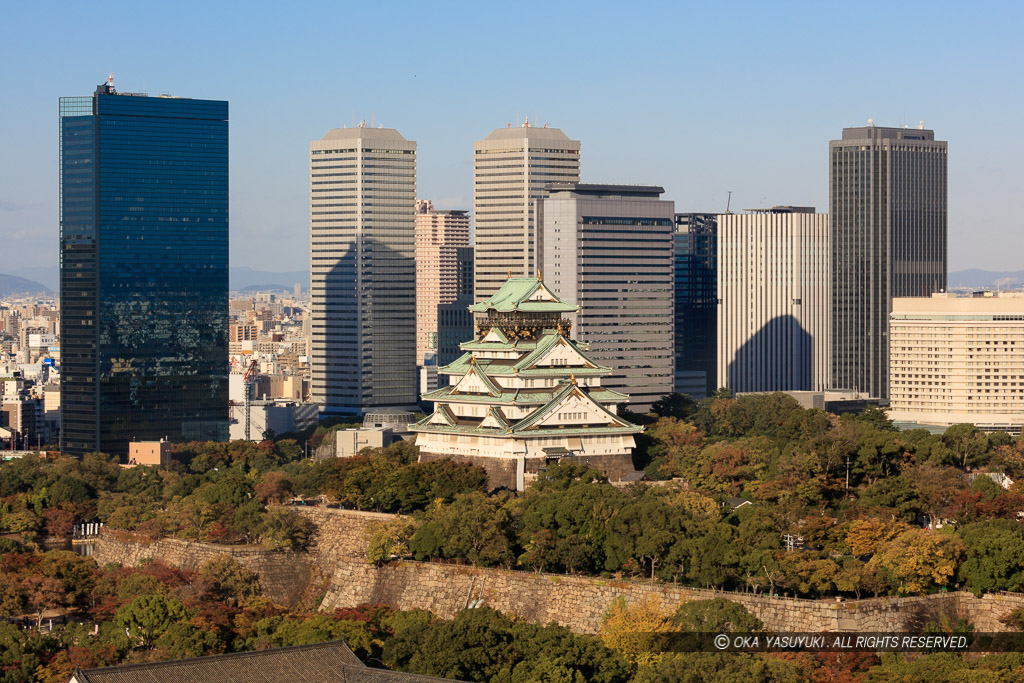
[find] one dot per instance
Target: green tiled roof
(499, 417)
(545, 344)
(565, 431)
(521, 397)
(514, 296)
(477, 345)
(553, 404)
(506, 368)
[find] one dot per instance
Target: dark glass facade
(454, 321)
(887, 201)
(696, 303)
(144, 270)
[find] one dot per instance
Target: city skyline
(760, 154)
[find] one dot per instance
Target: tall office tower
(144, 270)
(609, 248)
(773, 285)
(887, 193)
(511, 167)
(454, 321)
(439, 235)
(363, 275)
(696, 264)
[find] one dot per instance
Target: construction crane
(728, 202)
(249, 381)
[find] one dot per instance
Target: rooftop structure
(332, 661)
(523, 394)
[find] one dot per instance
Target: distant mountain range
(12, 285)
(240, 279)
(246, 279)
(986, 279)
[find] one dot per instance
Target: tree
(918, 560)
(274, 488)
(676, 405)
(477, 645)
(148, 617)
(229, 581)
(285, 530)
(968, 444)
(717, 615)
(42, 593)
(634, 630)
(994, 557)
(865, 536)
(389, 540)
(474, 527)
(936, 488)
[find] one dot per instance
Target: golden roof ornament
(572, 378)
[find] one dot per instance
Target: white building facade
(774, 300)
(958, 360)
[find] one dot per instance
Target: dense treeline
(219, 492)
(155, 612)
(760, 495)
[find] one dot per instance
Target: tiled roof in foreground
(332, 661)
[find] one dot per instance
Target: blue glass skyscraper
(144, 270)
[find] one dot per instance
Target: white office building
(774, 294)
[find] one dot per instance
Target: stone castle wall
(285, 577)
(336, 568)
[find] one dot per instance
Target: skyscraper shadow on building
(778, 357)
(364, 330)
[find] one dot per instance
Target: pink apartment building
(438, 235)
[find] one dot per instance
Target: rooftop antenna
(920, 125)
(371, 119)
(110, 79)
(728, 202)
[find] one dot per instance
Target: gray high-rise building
(887, 198)
(511, 168)
(362, 270)
(609, 248)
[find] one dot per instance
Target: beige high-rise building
(439, 234)
(774, 300)
(958, 360)
(362, 270)
(511, 167)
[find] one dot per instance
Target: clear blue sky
(701, 98)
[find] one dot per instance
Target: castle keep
(524, 394)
